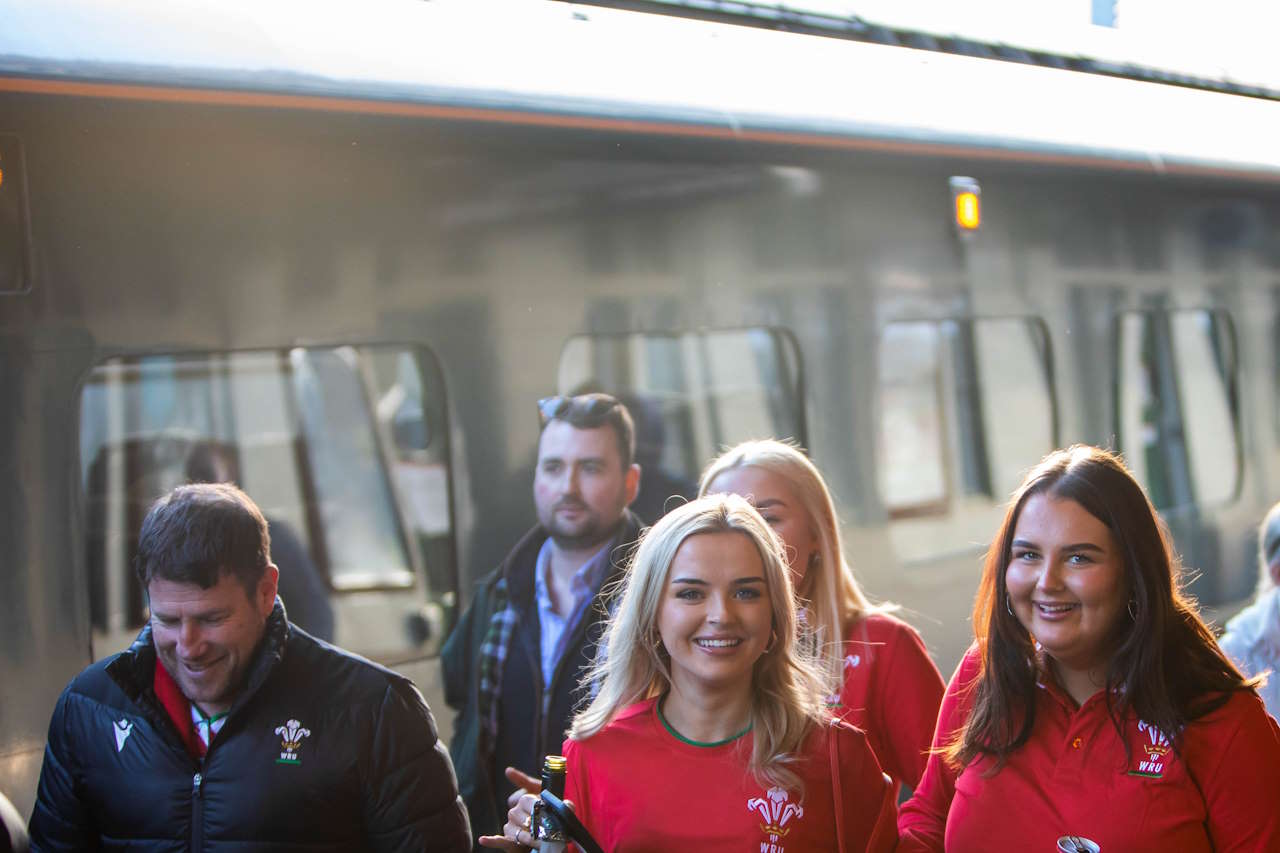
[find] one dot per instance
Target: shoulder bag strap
(837, 794)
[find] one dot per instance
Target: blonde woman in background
(889, 686)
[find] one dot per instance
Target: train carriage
(353, 247)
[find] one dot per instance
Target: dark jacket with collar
(365, 770)
(531, 722)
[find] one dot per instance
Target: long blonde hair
(830, 593)
(787, 688)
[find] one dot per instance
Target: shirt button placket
(1071, 760)
(1073, 756)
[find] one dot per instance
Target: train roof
(1044, 38)
(546, 62)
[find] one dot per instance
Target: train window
(1019, 413)
(342, 447)
(691, 395)
(966, 406)
(913, 477)
(1176, 411)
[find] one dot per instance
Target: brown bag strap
(837, 794)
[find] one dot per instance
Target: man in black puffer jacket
(223, 727)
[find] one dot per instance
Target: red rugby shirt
(892, 691)
(1220, 793)
(638, 788)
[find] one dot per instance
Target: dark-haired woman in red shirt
(1095, 709)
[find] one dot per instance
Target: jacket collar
(519, 567)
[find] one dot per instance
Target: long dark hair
(1165, 664)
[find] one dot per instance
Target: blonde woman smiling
(710, 730)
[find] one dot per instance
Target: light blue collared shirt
(555, 630)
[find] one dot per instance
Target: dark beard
(592, 537)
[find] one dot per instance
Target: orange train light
(966, 197)
(968, 215)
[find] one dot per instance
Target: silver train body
(355, 247)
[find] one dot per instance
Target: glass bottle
(547, 830)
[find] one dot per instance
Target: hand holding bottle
(525, 784)
(528, 827)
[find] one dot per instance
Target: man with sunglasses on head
(513, 665)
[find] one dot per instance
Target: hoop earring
(1133, 608)
(773, 642)
(1007, 605)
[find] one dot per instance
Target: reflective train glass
(691, 395)
(1176, 409)
(342, 447)
(1017, 397)
(966, 406)
(912, 454)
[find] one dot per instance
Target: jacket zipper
(163, 723)
(197, 812)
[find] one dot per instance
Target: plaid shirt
(493, 654)
(497, 642)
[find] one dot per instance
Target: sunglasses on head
(583, 406)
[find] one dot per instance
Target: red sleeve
(575, 784)
(922, 820)
(575, 780)
(864, 796)
(907, 695)
(1238, 774)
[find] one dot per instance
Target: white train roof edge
(554, 59)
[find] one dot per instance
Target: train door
(965, 406)
(1178, 425)
(346, 450)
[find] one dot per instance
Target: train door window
(913, 458)
(691, 395)
(343, 449)
(1019, 412)
(1176, 410)
(966, 406)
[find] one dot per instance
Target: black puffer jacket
(365, 771)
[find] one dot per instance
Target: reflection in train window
(691, 395)
(966, 406)
(1176, 407)
(1019, 412)
(912, 460)
(342, 447)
